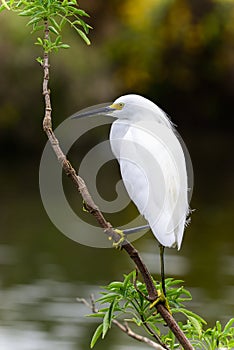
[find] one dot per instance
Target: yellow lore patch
(118, 106)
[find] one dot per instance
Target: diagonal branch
(93, 208)
(81, 186)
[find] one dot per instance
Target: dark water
(43, 272)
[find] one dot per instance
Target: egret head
(136, 107)
(132, 108)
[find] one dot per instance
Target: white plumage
(152, 166)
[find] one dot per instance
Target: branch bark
(94, 210)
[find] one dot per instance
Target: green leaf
(218, 326)
(64, 46)
(104, 309)
(155, 328)
(17, 4)
(58, 40)
(111, 311)
(107, 319)
(34, 20)
(96, 335)
(40, 60)
(107, 298)
(62, 22)
(39, 41)
(105, 325)
(2, 7)
(5, 5)
(84, 25)
(229, 325)
(55, 24)
(115, 285)
(29, 12)
(83, 36)
(128, 278)
(196, 324)
(97, 315)
(53, 30)
(171, 282)
(75, 11)
(80, 12)
(190, 313)
(137, 321)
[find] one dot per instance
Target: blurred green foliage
(177, 52)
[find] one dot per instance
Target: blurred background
(178, 53)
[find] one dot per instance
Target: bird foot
(118, 244)
(84, 208)
(161, 299)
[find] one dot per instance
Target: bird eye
(118, 105)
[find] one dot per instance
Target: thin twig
(94, 309)
(126, 329)
(123, 327)
(137, 289)
(94, 210)
(153, 334)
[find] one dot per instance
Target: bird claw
(161, 299)
(117, 245)
(84, 208)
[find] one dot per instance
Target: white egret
(152, 165)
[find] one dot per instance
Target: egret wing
(153, 169)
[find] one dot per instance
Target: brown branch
(94, 210)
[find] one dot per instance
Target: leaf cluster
(218, 337)
(56, 14)
(126, 301)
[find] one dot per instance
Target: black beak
(97, 111)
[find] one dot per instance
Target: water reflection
(43, 314)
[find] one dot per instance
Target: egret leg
(128, 231)
(162, 268)
(162, 294)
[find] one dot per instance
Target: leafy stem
(119, 298)
(57, 14)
